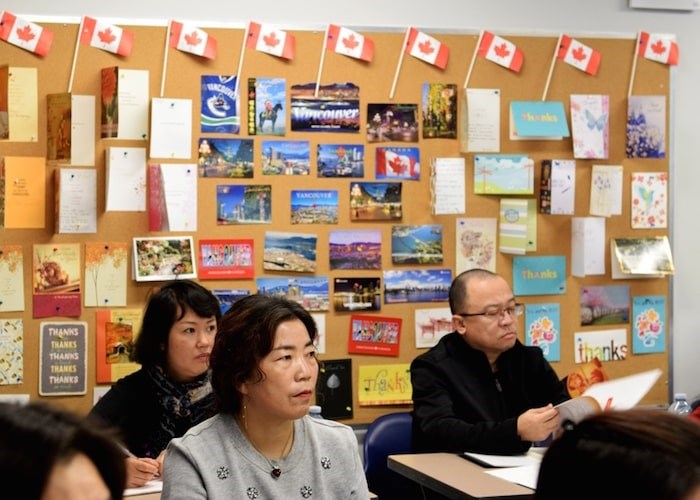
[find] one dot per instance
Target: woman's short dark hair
(637, 453)
(246, 335)
(166, 306)
(35, 437)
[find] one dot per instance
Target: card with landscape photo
(361, 249)
(293, 252)
(605, 305)
(375, 201)
(285, 157)
(243, 204)
(164, 258)
(314, 206)
(429, 285)
(357, 294)
(311, 293)
(340, 160)
(229, 296)
(228, 158)
(388, 122)
(416, 244)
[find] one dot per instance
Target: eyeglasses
(496, 313)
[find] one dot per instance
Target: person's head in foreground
(637, 453)
(48, 453)
(264, 361)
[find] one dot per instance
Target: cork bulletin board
(182, 81)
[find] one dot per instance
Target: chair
(388, 435)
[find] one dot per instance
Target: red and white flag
(350, 43)
(193, 40)
(501, 51)
(392, 164)
(658, 47)
(26, 35)
(579, 55)
(272, 41)
(427, 48)
(109, 37)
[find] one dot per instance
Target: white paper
(587, 246)
(152, 486)
(563, 187)
(525, 475)
(133, 104)
(77, 201)
(22, 106)
(448, 186)
(484, 125)
(180, 189)
(171, 128)
(125, 179)
(82, 146)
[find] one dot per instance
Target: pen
(126, 451)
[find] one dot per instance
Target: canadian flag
(193, 40)
(106, 36)
(26, 35)
(427, 48)
(501, 51)
(350, 43)
(580, 56)
(392, 164)
(272, 41)
(658, 47)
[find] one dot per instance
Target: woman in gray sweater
(262, 444)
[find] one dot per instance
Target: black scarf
(182, 405)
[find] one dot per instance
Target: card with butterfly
(590, 125)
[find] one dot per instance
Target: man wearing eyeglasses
(479, 389)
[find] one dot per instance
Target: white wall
(590, 17)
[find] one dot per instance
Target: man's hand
(538, 423)
(140, 470)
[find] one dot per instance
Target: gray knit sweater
(214, 460)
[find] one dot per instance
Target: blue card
(537, 120)
(539, 275)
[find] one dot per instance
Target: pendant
(275, 472)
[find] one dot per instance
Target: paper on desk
(504, 460)
(153, 486)
(525, 475)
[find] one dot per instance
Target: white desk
(455, 477)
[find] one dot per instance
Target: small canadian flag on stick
(193, 40)
(658, 47)
(264, 38)
(109, 37)
(350, 43)
(26, 35)
(426, 48)
(578, 55)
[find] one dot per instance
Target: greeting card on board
(431, 325)
(648, 324)
(517, 225)
(544, 275)
(374, 335)
(483, 124)
(115, 333)
(164, 258)
(590, 125)
(606, 190)
(558, 187)
(124, 103)
(503, 174)
(125, 179)
(543, 329)
(105, 273)
(11, 278)
(57, 282)
(646, 126)
(587, 246)
(20, 117)
(226, 259)
(25, 200)
(171, 128)
(76, 200)
(334, 388)
(63, 358)
(384, 385)
(538, 120)
(475, 244)
(11, 351)
(606, 345)
(649, 200)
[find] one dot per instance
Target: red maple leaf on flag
(501, 50)
(25, 33)
(396, 165)
(426, 48)
(658, 47)
(350, 42)
(271, 40)
(106, 36)
(193, 39)
(578, 53)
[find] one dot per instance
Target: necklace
(275, 471)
